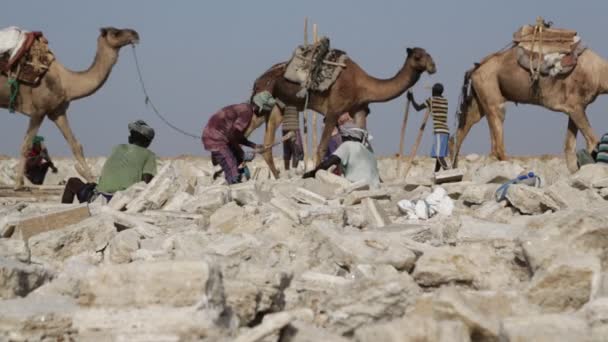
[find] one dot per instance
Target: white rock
(123, 245)
(530, 200)
(309, 214)
(477, 265)
(371, 247)
(356, 197)
(227, 218)
(90, 236)
(588, 175)
(331, 178)
(273, 323)
(18, 279)
(474, 230)
(498, 172)
(376, 216)
(175, 283)
(300, 331)
(567, 284)
(479, 193)
(35, 318)
(14, 249)
(545, 328)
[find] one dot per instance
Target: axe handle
(284, 138)
(417, 143)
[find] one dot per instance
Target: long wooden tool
(417, 143)
(315, 129)
(402, 138)
(290, 135)
(305, 114)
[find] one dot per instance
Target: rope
(13, 85)
(149, 102)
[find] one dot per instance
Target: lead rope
(148, 101)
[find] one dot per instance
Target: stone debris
(530, 200)
(187, 257)
(28, 227)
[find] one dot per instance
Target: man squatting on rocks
(353, 156)
(128, 164)
(225, 133)
(38, 162)
(438, 105)
(336, 138)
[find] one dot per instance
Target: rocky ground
(186, 258)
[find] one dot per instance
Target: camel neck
(80, 84)
(382, 90)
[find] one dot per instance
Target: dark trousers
(293, 151)
(440, 163)
(79, 189)
(229, 158)
(37, 173)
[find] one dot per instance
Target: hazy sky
(199, 56)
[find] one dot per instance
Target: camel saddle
(31, 61)
(547, 51)
(315, 67)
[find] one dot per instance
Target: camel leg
(32, 129)
(492, 103)
(330, 123)
(497, 130)
(472, 116)
(494, 111)
(570, 146)
(272, 123)
(580, 119)
(61, 121)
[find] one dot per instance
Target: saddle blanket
(307, 66)
(25, 53)
(553, 53)
(11, 40)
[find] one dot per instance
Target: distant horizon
(198, 57)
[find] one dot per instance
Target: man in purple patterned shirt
(225, 133)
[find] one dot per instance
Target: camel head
(420, 60)
(117, 38)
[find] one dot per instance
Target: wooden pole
(315, 130)
(402, 138)
(417, 143)
(304, 116)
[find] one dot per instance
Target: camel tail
(465, 100)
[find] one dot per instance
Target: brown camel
(500, 78)
(352, 92)
(58, 87)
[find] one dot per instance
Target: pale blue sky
(199, 56)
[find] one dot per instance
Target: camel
(59, 86)
(499, 78)
(352, 92)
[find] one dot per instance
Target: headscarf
(350, 130)
(264, 100)
(38, 139)
(141, 127)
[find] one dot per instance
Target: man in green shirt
(128, 164)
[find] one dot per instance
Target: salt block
(26, 228)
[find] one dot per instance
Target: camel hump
(533, 38)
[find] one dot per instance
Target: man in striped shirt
(438, 105)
